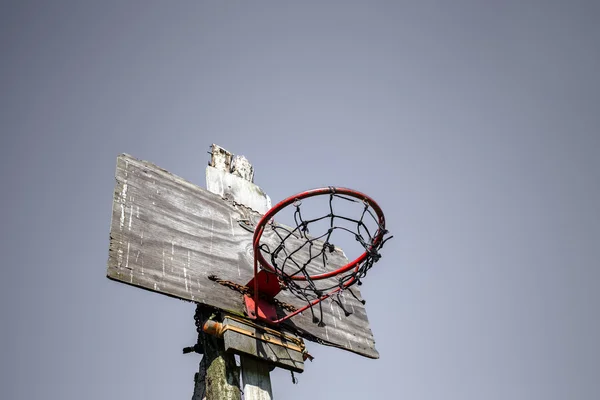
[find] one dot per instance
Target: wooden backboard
(169, 235)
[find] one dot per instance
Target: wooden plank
(251, 346)
(220, 158)
(236, 188)
(224, 160)
(255, 376)
(168, 236)
(242, 168)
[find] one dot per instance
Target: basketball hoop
(302, 282)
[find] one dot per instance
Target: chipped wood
(238, 189)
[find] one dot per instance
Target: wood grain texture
(255, 377)
(251, 346)
(168, 235)
(237, 188)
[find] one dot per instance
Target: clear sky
(476, 126)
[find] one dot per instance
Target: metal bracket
(268, 288)
(218, 329)
(248, 338)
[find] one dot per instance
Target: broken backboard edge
(156, 212)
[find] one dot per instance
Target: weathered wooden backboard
(169, 235)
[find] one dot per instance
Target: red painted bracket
(268, 288)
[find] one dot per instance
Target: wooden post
(257, 382)
(218, 376)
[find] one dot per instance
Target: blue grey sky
(475, 124)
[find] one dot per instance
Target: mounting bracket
(268, 287)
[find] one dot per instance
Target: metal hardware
(264, 334)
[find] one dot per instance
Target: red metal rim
(260, 227)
